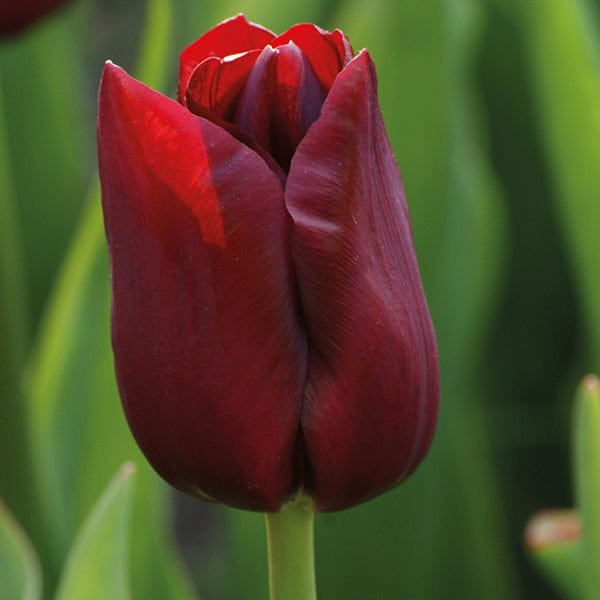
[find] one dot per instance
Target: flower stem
(291, 552)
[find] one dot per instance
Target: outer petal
(371, 400)
(209, 356)
(230, 37)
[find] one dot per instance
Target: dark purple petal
(371, 401)
(281, 100)
(209, 354)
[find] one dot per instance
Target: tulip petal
(281, 100)
(326, 52)
(217, 83)
(371, 400)
(209, 353)
(238, 134)
(232, 36)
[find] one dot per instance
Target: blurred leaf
(13, 314)
(153, 60)
(97, 566)
(586, 436)
(48, 136)
(66, 367)
(19, 568)
(553, 538)
(563, 42)
(15, 468)
(272, 14)
(529, 368)
(248, 572)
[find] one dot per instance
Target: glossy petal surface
(371, 401)
(217, 83)
(209, 354)
(230, 37)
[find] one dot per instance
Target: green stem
(291, 552)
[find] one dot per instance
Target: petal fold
(371, 400)
(326, 52)
(217, 83)
(209, 353)
(281, 100)
(232, 36)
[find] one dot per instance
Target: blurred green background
(493, 110)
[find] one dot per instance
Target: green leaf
(13, 298)
(15, 470)
(586, 437)
(272, 14)
(154, 57)
(44, 163)
(48, 134)
(247, 560)
(19, 568)
(66, 365)
(97, 566)
(562, 37)
(553, 539)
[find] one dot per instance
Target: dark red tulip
(269, 326)
(16, 15)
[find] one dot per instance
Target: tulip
(16, 15)
(270, 331)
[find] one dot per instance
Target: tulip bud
(16, 15)
(269, 326)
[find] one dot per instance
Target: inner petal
(327, 52)
(217, 83)
(281, 100)
(231, 36)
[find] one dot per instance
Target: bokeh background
(493, 110)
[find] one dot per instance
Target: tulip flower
(270, 331)
(16, 15)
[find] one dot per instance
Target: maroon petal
(326, 52)
(371, 400)
(233, 36)
(209, 355)
(217, 83)
(281, 100)
(239, 135)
